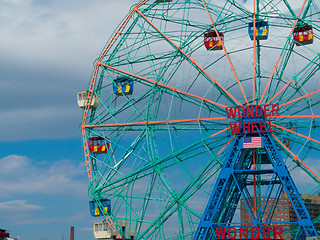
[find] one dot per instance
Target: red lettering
(255, 233)
(254, 126)
(248, 127)
(241, 113)
(231, 112)
(269, 122)
(221, 234)
(234, 232)
(263, 127)
(266, 114)
(250, 111)
(245, 234)
(253, 111)
(235, 128)
(275, 109)
(265, 232)
(276, 233)
(258, 113)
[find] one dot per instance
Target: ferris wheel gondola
(199, 70)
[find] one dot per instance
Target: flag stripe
(252, 142)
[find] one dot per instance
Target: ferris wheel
(184, 86)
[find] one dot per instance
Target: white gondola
(101, 231)
(82, 99)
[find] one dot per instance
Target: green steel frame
(170, 137)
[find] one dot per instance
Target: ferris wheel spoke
(305, 75)
(228, 95)
(306, 11)
(283, 64)
(281, 54)
(254, 55)
(289, 51)
(226, 145)
(180, 198)
(240, 7)
(154, 122)
(296, 116)
(125, 203)
(137, 114)
(225, 52)
(186, 153)
(174, 89)
(164, 133)
(299, 98)
(186, 194)
(290, 8)
(308, 138)
(274, 85)
(217, 133)
(296, 159)
(119, 31)
(281, 90)
(299, 141)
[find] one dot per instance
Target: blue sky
(47, 53)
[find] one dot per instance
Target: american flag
(252, 142)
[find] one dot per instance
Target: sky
(47, 54)
(47, 51)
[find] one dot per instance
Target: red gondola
(303, 35)
(211, 40)
(98, 145)
(4, 233)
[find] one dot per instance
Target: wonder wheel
(178, 90)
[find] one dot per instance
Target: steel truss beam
(234, 182)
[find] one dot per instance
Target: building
(284, 211)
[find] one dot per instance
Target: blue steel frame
(232, 184)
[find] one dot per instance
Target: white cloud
(40, 123)
(20, 176)
(48, 49)
(16, 210)
(60, 33)
(20, 212)
(50, 220)
(18, 205)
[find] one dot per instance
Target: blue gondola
(262, 30)
(123, 86)
(95, 211)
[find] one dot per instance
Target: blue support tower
(236, 181)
